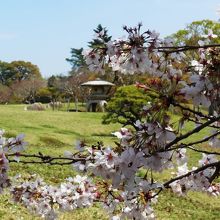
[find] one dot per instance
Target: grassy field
(54, 132)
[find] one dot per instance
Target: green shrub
(43, 95)
(126, 105)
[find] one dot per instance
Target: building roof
(97, 82)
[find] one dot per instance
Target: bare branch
(46, 159)
(194, 143)
(196, 130)
(199, 122)
(192, 111)
(184, 48)
(203, 151)
(215, 164)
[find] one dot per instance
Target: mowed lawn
(53, 132)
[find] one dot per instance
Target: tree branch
(198, 122)
(203, 151)
(176, 49)
(194, 143)
(215, 164)
(197, 129)
(45, 159)
(191, 110)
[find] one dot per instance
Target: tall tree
(196, 31)
(72, 87)
(207, 31)
(5, 93)
(101, 37)
(77, 59)
(24, 70)
(55, 86)
(6, 73)
(18, 71)
(26, 90)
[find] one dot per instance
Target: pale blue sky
(43, 31)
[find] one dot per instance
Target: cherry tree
(188, 88)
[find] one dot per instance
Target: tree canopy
(197, 30)
(18, 71)
(126, 105)
(77, 59)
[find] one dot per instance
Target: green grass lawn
(54, 132)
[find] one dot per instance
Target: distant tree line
(19, 82)
(22, 82)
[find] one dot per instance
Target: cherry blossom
(210, 35)
(123, 176)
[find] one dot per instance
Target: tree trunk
(68, 104)
(53, 104)
(76, 103)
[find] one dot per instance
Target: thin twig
(215, 164)
(197, 129)
(184, 48)
(192, 111)
(193, 143)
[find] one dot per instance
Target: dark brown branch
(40, 156)
(173, 49)
(199, 122)
(203, 151)
(184, 48)
(189, 46)
(42, 162)
(215, 174)
(215, 164)
(45, 159)
(197, 129)
(204, 139)
(194, 143)
(192, 111)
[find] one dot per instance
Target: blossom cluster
(46, 200)
(10, 145)
(124, 180)
(119, 171)
(196, 181)
(4, 166)
(148, 53)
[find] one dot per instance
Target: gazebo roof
(97, 82)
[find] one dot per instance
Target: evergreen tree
(77, 59)
(101, 37)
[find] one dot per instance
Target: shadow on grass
(71, 132)
(51, 141)
(31, 127)
(102, 134)
(48, 126)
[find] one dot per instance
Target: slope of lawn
(53, 132)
